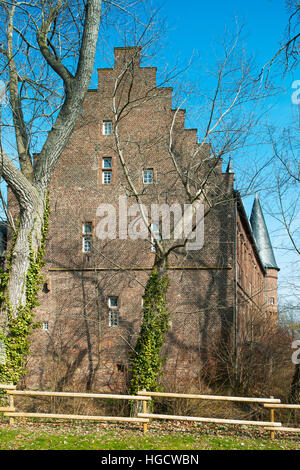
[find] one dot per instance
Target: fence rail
(6, 409)
(209, 397)
(82, 417)
(209, 420)
(283, 406)
(77, 395)
(7, 387)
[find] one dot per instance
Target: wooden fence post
(11, 405)
(145, 410)
(272, 419)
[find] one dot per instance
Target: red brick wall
(80, 346)
(255, 286)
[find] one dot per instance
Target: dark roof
(261, 236)
(229, 168)
(247, 227)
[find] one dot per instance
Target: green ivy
(19, 326)
(146, 362)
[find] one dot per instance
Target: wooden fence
(269, 424)
(12, 413)
(145, 417)
(272, 408)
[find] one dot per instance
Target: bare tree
(286, 211)
(27, 86)
(47, 56)
(263, 356)
(227, 122)
(288, 52)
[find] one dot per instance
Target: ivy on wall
(20, 325)
(146, 362)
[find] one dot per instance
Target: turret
(265, 250)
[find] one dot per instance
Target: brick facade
(78, 347)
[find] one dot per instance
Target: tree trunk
(160, 265)
(20, 283)
(295, 385)
(28, 241)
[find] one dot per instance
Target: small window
(113, 302)
(113, 318)
(87, 244)
(107, 170)
(120, 368)
(155, 231)
(107, 128)
(272, 301)
(46, 287)
(107, 163)
(87, 237)
(148, 176)
(45, 326)
(87, 227)
(107, 176)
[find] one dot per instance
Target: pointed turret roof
(261, 236)
(229, 168)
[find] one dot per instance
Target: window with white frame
(107, 176)
(272, 300)
(45, 326)
(155, 235)
(113, 302)
(113, 318)
(107, 170)
(107, 128)
(87, 244)
(113, 314)
(87, 237)
(87, 228)
(148, 176)
(107, 163)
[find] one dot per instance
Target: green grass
(64, 436)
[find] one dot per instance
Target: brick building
(91, 302)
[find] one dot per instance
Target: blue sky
(198, 22)
(198, 25)
(194, 25)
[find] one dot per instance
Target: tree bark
(295, 385)
(29, 237)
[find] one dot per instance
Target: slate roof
(261, 236)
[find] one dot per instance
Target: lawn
(73, 436)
